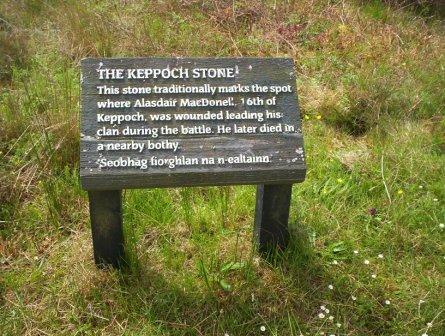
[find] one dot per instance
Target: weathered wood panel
(284, 150)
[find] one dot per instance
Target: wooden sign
(163, 122)
(167, 122)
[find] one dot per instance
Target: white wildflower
(355, 252)
(366, 262)
(327, 311)
(373, 276)
(353, 298)
(387, 302)
(338, 325)
(322, 307)
(331, 287)
(429, 324)
(321, 315)
(442, 225)
(263, 328)
(331, 318)
(380, 256)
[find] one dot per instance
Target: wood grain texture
(271, 217)
(285, 149)
(106, 227)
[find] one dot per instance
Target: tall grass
(367, 224)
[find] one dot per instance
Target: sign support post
(106, 227)
(270, 227)
(272, 216)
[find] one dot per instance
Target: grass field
(367, 255)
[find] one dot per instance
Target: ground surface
(368, 236)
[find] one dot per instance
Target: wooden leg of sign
(271, 216)
(106, 227)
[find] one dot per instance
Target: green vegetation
(367, 224)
